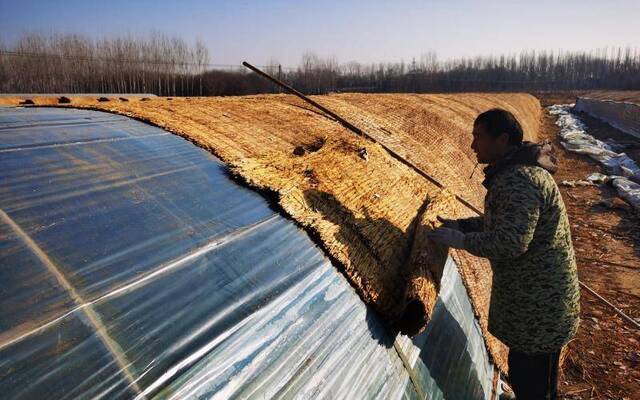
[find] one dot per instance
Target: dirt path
(603, 361)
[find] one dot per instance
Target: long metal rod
(358, 131)
(293, 91)
(616, 309)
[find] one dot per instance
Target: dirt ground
(603, 360)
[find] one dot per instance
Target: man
(525, 234)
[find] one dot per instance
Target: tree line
(158, 64)
(168, 66)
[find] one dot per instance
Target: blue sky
(365, 31)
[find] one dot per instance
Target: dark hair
(497, 121)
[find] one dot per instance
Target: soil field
(603, 360)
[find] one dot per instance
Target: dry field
(603, 360)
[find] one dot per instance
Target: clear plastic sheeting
(622, 115)
(624, 173)
(134, 267)
(451, 351)
(447, 361)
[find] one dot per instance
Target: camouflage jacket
(525, 234)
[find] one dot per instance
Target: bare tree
(170, 66)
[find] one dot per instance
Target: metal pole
(293, 91)
(358, 131)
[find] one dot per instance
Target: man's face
(487, 148)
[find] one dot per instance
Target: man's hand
(449, 223)
(447, 236)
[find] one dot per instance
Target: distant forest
(169, 66)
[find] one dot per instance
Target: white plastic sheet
(623, 172)
(625, 116)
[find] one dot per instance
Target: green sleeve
(473, 224)
(515, 209)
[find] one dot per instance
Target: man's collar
(527, 153)
(493, 168)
